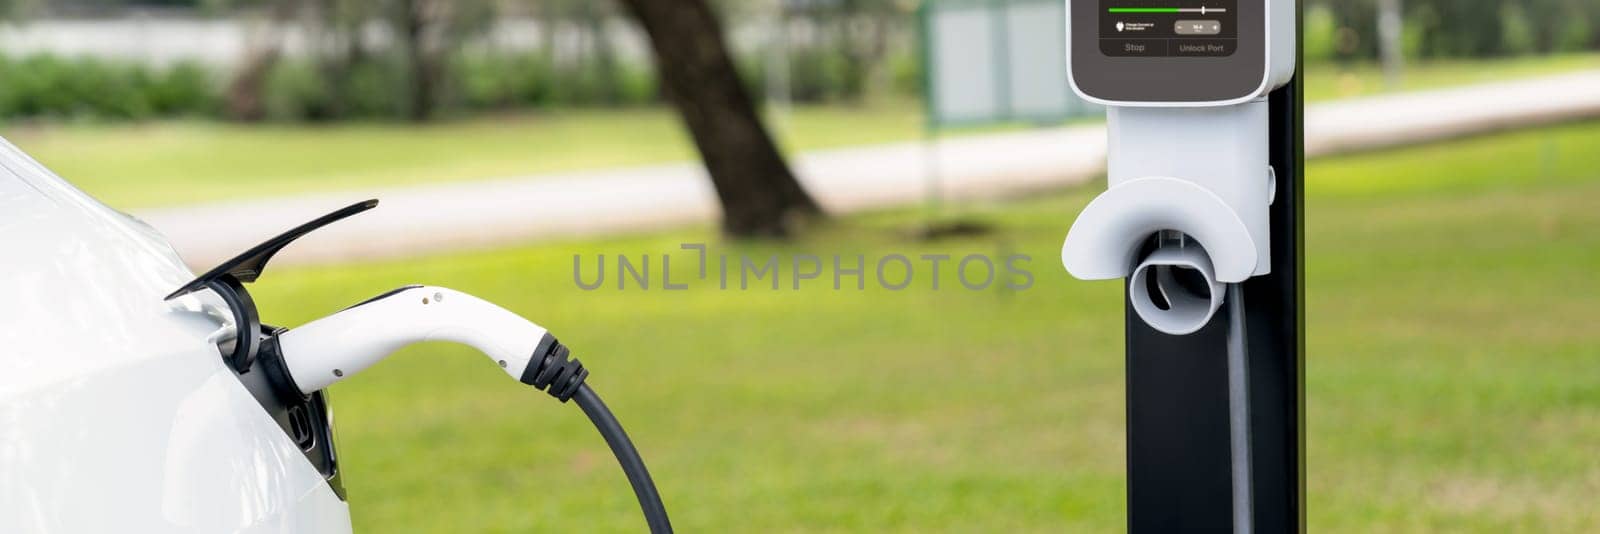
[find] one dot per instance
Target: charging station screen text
(1168, 28)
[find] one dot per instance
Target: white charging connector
(328, 350)
(334, 348)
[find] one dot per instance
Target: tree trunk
(244, 99)
(599, 52)
(245, 96)
(760, 196)
(414, 20)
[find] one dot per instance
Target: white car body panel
(116, 412)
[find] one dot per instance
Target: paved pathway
(479, 214)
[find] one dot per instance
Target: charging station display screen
(1168, 28)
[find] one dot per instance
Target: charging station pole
(1178, 441)
(1177, 402)
(1203, 212)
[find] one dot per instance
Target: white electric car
(116, 412)
(136, 397)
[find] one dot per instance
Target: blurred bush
(301, 90)
(533, 80)
(186, 88)
(834, 51)
(1321, 30)
(50, 86)
(819, 75)
(55, 87)
(496, 81)
(1346, 30)
(294, 91)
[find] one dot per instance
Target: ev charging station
(1203, 220)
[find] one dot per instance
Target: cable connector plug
(553, 371)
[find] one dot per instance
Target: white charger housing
(1187, 121)
(1199, 171)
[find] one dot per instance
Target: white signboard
(997, 61)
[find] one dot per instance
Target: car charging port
(300, 429)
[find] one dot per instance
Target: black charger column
(1177, 387)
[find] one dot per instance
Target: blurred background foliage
(1347, 30)
(325, 60)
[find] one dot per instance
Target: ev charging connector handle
(326, 351)
(295, 364)
(334, 348)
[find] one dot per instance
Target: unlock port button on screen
(1202, 47)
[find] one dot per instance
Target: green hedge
(1347, 29)
(46, 85)
(53, 87)
(377, 88)
(295, 89)
(299, 90)
(502, 81)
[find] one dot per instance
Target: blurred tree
(1320, 29)
(429, 33)
(244, 98)
(598, 73)
(760, 195)
(336, 31)
(348, 69)
(841, 48)
(1464, 28)
(1357, 28)
(1516, 30)
(862, 34)
(1575, 34)
(1391, 46)
(11, 8)
(1568, 24)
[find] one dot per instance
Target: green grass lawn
(172, 163)
(1453, 372)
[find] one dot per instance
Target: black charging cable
(649, 499)
(1239, 414)
(554, 372)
